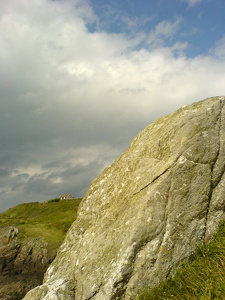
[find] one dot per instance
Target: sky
(79, 79)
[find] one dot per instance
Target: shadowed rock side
(22, 264)
(147, 212)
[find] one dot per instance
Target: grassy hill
(201, 279)
(51, 219)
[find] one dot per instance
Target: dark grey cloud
(4, 172)
(71, 100)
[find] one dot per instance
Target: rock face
(22, 264)
(147, 212)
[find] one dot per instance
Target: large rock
(147, 212)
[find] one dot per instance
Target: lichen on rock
(147, 212)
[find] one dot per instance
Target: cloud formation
(163, 32)
(73, 98)
(193, 2)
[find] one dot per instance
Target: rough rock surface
(147, 212)
(22, 264)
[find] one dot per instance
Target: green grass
(201, 279)
(50, 220)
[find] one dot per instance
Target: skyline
(80, 79)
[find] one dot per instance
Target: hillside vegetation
(51, 219)
(201, 279)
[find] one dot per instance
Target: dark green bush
(53, 200)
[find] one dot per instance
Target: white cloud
(193, 2)
(219, 49)
(71, 100)
(163, 32)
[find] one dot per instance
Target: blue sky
(201, 23)
(80, 78)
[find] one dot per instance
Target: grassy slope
(202, 279)
(51, 220)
